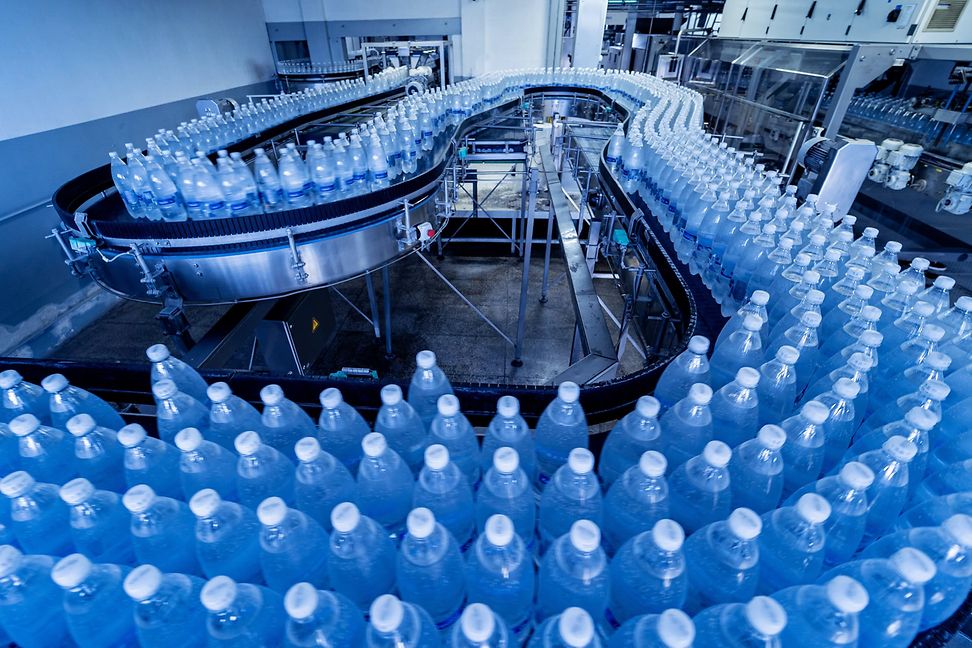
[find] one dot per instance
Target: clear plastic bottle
(722, 560)
(803, 451)
(636, 501)
(30, 602)
(268, 182)
(284, 422)
(321, 482)
(99, 522)
(318, 618)
(403, 429)
(97, 611)
(688, 368)
(823, 615)
(507, 490)
(451, 429)
(226, 537)
(229, 416)
(573, 494)
(360, 556)
(561, 428)
(758, 622)
(888, 493)
(385, 485)
(572, 628)
(756, 470)
(648, 573)
(150, 461)
(429, 569)
(67, 400)
(46, 452)
(938, 293)
(636, 433)
(735, 408)
(167, 367)
(743, 348)
(262, 471)
(841, 421)
(160, 528)
(242, 614)
(290, 545)
(427, 385)
(98, 456)
(509, 429)
(670, 629)
(915, 426)
(341, 429)
(167, 608)
(397, 624)
(776, 390)
(688, 425)
(574, 572)
(443, 488)
(699, 490)
(38, 517)
(17, 396)
(205, 464)
(791, 546)
(479, 627)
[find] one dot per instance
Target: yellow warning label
(314, 325)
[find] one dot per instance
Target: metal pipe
(525, 280)
(373, 302)
(386, 289)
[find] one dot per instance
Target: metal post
(525, 282)
(546, 258)
(386, 288)
(523, 208)
(373, 302)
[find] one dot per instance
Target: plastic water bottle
(341, 429)
(930, 396)
(284, 423)
(648, 574)
(887, 495)
(636, 501)
(561, 428)
(756, 470)
(572, 628)
(803, 451)
(30, 602)
(735, 408)
(776, 391)
(38, 517)
(262, 471)
(442, 488)
(723, 561)
(167, 608)
(150, 461)
(66, 401)
(99, 522)
(670, 629)
(743, 348)
(226, 537)
(160, 528)
(167, 367)
(229, 416)
(17, 396)
(688, 425)
(699, 490)
(841, 420)
(915, 427)
(630, 438)
(896, 596)
(429, 569)
(397, 624)
(427, 385)
(360, 556)
(385, 484)
(242, 613)
(574, 572)
(499, 573)
(98, 456)
(508, 429)
(97, 611)
(401, 427)
(321, 482)
(573, 494)
(290, 545)
(689, 367)
(823, 615)
(451, 429)
(755, 306)
(935, 511)
(268, 182)
(321, 618)
(46, 452)
(479, 627)
(204, 464)
(758, 622)
(791, 546)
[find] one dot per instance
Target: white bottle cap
(652, 464)
(580, 461)
(499, 530)
(745, 524)
(307, 449)
(331, 398)
(508, 406)
(920, 263)
(157, 353)
(920, 418)
(425, 359)
(420, 522)
(80, 424)
(811, 319)
(863, 292)
(387, 613)
(860, 362)
(716, 453)
(9, 379)
(856, 475)
(814, 297)
(585, 536)
(218, 392)
(391, 395)
(900, 449)
(129, 436)
(846, 594)
(893, 246)
(76, 491)
(813, 508)
(752, 323)
(747, 377)
(218, 593)
(938, 361)
(271, 511)
(766, 616)
(301, 600)
(870, 313)
(700, 394)
(760, 297)
(857, 274)
(647, 407)
(272, 395)
(870, 232)
(24, 424)
(138, 498)
(675, 628)
(54, 383)
(16, 483)
(505, 460)
(143, 582)
(963, 303)
(575, 627)
(374, 445)
(70, 571)
(698, 344)
(436, 456)
(771, 436)
(10, 559)
(846, 388)
(667, 534)
(787, 354)
(833, 255)
(936, 390)
(164, 389)
(811, 277)
(914, 565)
(959, 526)
(568, 391)
(345, 517)
(815, 412)
(204, 503)
(247, 443)
(944, 283)
(448, 405)
(477, 623)
(188, 439)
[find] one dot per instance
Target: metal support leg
(373, 302)
(546, 258)
(386, 288)
(525, 282)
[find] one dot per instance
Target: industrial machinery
(834, 169)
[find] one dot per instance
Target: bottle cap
(863, 292)
(944, 283)
(16, 483)
(307, 449)
(10, 559)
(387, 613)
(846, 594)
(164, 389)
(24, 424)
(963, 303)
(924, 309)
(900, 449)
(752, 323)
(801, 259)
(300, 601)
(580, 461)
(138, 498)
(143, 582)
(771, 436)
(345, 517)
(70, 571)
(811, 277)
(374, 445)
(507, 406)
(10, 379)
(871, 339)
(218, 593)
(652, 464)
(959, 526)
(814, 297)
(818, 239)
(759, 297)
(188, 439)
(477, 623)
(667, 534)
(787, 354)
(505, 460)
(129, 436)
(80, 424)
(921, 418)
(699, 344)
(914, 565)
(675, 628)
(420, 522)
(331, 398)
(815, 412)
(893, 247)
(575, 627)
(847, 388)
(813, 508)
(935, 390)
(272, 395)
(700, 394)
(745, 524)
(76, 491)
(568, 391)
(938, 361)
(425, 359)
(247, 443)
(218, 392)
(271, 511)
(811, 319)
(448, 405)
(870, 232)
(499, 530)
(716, 453)
(766, 616)
(437, 456)
(647, 407)
(856, 475)
(54, 383)
(747, 377)
(932, 332)
(833, 255)
(391, 395)
(585, 536)
(204, 503)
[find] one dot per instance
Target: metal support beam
(386, 289)
(525, 280)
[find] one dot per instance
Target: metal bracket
(296, 263)
(148, 276)
(78, 263)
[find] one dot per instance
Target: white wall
(66, 62)
(591, 16)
